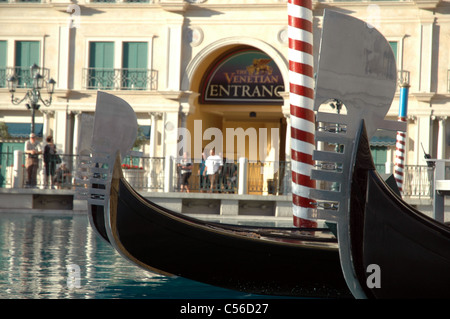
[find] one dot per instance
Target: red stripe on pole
(301, 90)
(302, 201)
(301, 68)
(300, 46)
(300, 23)
(304, 223)
(302, 135)
(303, 180)
(302, 157)
(303, 113)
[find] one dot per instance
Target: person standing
(213, 163)
(32, 149)
(186, 171)
(202, 173)
(63, 176)
(50, 159)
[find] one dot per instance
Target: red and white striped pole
(301, 95)
(401, 138)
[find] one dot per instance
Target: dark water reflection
(35, 251)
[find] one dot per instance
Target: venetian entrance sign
(243, 76)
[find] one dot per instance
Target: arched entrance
(238, 111)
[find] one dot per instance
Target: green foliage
(140, 139)
(4, 131)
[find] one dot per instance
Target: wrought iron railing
(23, 75)
(120, 79)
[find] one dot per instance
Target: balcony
(23, 74)
(120, 79)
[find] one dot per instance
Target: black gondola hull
(411, 249)
(153, 238)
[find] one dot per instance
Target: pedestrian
(63, 176)
(51, 158)
(202, 173)
(32, 150)
(185, 171)
(213, 163)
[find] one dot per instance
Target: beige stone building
(206, 64)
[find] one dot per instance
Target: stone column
(76, 132)
(46, 129)
(187, 107)
(64, 56)
(286, 177)
(286, 110)
(154, 166)
(424, 138)
(441, 140)
(426, 53)
(60, 132)
(154, 116)
(174, 38)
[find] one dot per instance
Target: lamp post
(33, 95)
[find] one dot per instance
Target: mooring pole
(400, 149)
(301, 96)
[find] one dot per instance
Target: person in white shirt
(213, 163)
(32, 149)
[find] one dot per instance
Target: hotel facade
(192, 68)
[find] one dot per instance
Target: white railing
(418, 181)
(158, 174)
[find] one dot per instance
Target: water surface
(60, 257)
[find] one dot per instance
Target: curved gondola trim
(113, 200)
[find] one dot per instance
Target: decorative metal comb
(357, 72)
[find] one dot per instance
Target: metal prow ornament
(357, 68)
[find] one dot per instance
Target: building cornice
(427, 4)
(424, 97)
(176, 6)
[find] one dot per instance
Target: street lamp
(34, 94)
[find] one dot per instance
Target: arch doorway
(239, 113)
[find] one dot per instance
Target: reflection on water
(36, 251)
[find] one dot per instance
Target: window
(379, 155)
(134, 64)
(394, 46)
(27, 54)
(101, 66)
(119, 65)
(3, 64)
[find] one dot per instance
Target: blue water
(36, 251)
